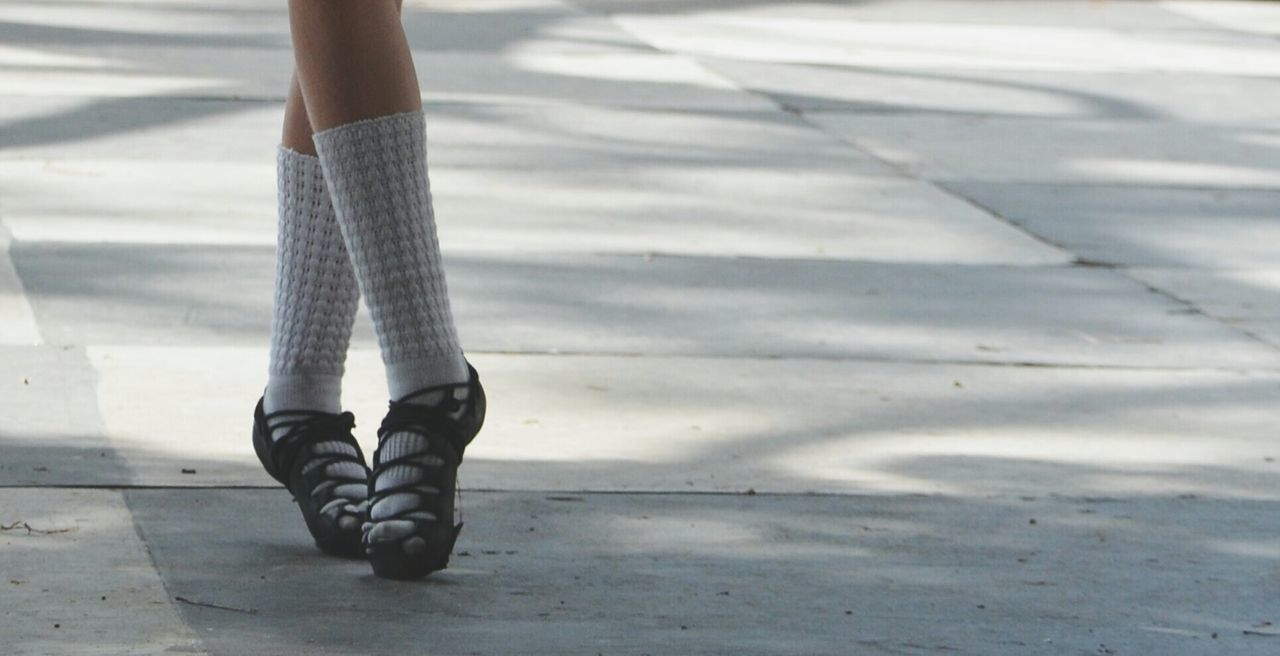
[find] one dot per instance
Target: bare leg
(297, 126)
(353, 62)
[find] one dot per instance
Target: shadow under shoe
(294, 461)
(448, 427)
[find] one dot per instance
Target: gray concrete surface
(78, 580)
(875, 327)
(712, 574)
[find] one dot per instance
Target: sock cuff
(283, 151)
(412, 124)
(376, 151)
(293, 165)
(302, 391)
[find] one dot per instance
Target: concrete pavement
(903, 327)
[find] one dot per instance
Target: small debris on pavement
(31, 529)
(205, 604)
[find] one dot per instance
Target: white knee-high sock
(316, 299)
(377, 175)
(315, 293)
(377, 172)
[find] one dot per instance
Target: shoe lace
(303, 429)
(434, 422)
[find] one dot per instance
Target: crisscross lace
(299, 430)
(432, 423)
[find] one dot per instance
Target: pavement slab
(658, 424)
(831, 213)
(1137, 226)
(52, 433)
(1243, 16)
(737, 574)
(986, 42)
(627, 78)
(527, 27)
(634, 180)
(78, 581)
(1068, 151)
(628, 305)
(462, 136)
(1195, 98)
(1124, 15)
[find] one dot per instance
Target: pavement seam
(1079, 260)
(176, 614)
(1119, 269)
(20, 327)
(1256, 337)
(906, 173)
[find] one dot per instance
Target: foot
(411, 527)
(317, 458)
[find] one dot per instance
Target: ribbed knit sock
(316, 299)
(377, 175)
